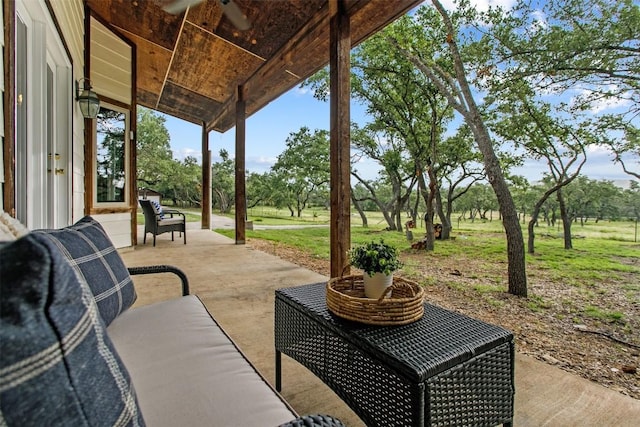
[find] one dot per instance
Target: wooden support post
(241, 197)
(340, 73)
(133, 166)
(9, 186)
(206, 179)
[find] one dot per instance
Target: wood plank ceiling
(191, 64)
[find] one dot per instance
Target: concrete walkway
(237, 284)
(222, 222)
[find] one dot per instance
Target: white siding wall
(118, 227)
(110, 64)
(70, 16)
(111, 60)
(111, 76)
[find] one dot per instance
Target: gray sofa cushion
(57, 364)
(188, 372)
(94, 257)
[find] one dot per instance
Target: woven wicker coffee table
(444, 369)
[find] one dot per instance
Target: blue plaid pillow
(97, 261)
(58, 366)
(157, 208)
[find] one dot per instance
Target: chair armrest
(172, 212)
(314, 421)
(153, 269)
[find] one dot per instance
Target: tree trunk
(515, 241)
(428, 222)
(363, 217)
(566, 221)
(446, 221)
(414, 211)
(298, 208)
(222, 201)
(469, 110)
(433, 185)
(428, 216)
(398, 215)
(400, 201)
(534, 217)
(448, 212)
(381, 207)
(532, 223)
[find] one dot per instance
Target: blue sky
(268, 129)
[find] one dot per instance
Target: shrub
(375, 257)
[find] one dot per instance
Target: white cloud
(598, 150)
(539, 20)
(610, 104)
(545, 86)
(301, 91)
(600, 104)
(259, 164)
(599, 166)
(306, 91)
(184, 152)
(264, 160)
(480, 5)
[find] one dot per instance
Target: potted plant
(378, 261)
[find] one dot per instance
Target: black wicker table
(444, 369)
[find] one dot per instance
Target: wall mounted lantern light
(87, 99)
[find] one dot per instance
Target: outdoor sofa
(72, 352)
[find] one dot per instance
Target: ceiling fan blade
(179, 6)
(235, 15)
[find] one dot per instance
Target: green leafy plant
(375, 257)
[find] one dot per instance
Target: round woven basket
(345, 298)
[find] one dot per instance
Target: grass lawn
(600, 250)
(591, 258)
(594, 243)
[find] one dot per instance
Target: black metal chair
(155, 224)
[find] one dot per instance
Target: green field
(599, 249)
(609, 230)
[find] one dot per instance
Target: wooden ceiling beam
(288, 42)
(312, 37)
(316, 27)
(173, 55)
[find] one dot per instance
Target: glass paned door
(21, 121)
(43, 120)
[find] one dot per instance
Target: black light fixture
(88, 100)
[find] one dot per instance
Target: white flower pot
(374, 286)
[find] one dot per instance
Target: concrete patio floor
(237, 284)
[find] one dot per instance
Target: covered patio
(195, 65)
(237, 284)
(214, 63)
